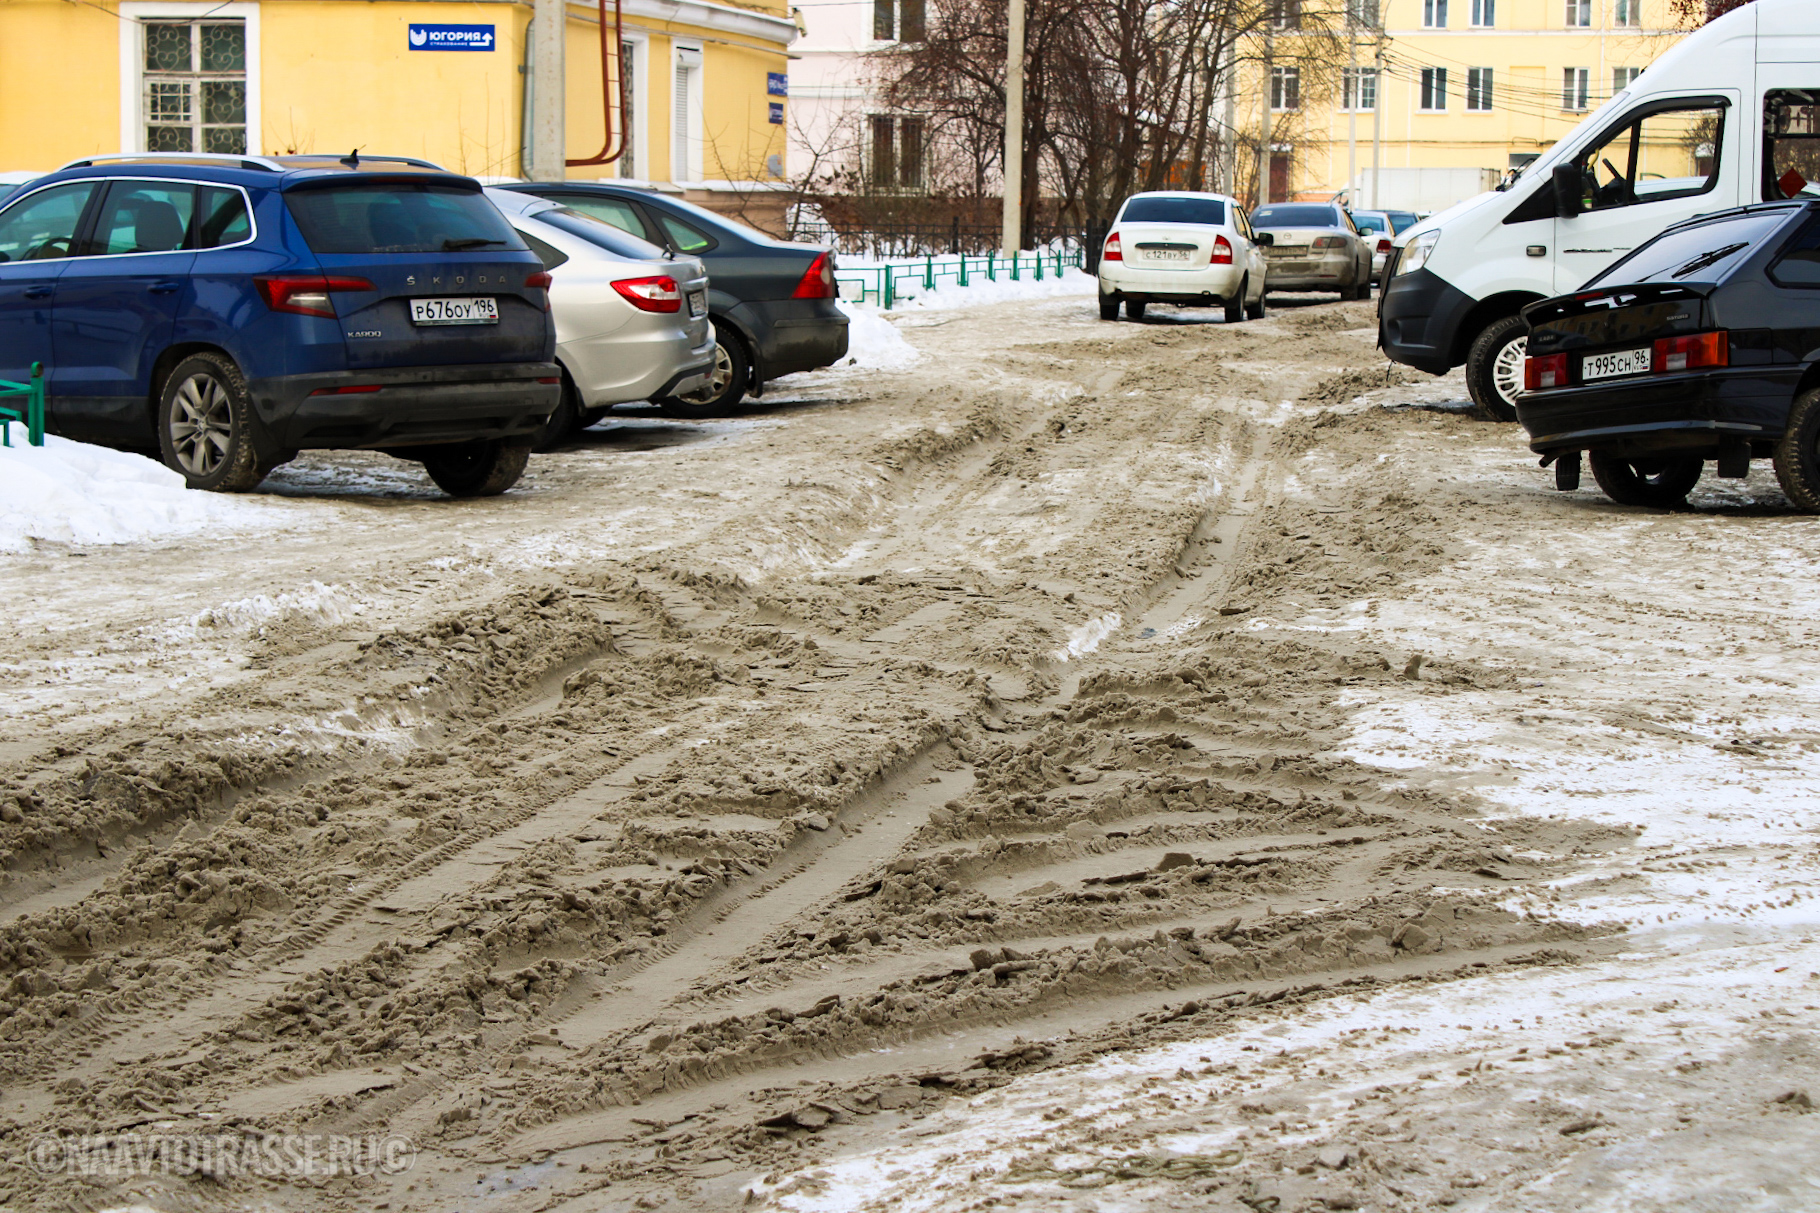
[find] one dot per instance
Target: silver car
(1317, 248)
(631, 320)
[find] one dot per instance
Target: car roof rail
(363, 158)
(259, 162)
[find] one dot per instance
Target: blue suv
(230, 311)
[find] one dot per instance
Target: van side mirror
(1568, 191)
(1266, 240)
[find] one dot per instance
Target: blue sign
(777, 113)
(777, 84)
(451, 37)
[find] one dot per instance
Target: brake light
(352, 389)
(1384, 244)
(1691, 353)
(1112, 251)
(1222, 252)
(1330, 242)
(1548, 371)
(305, 294)
(539, 282)
(818, 280)
(658, 294)
(549, 379)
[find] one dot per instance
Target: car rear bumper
(793, 334)
(1418, 319)
(625, 366)
(1324, 273)
(414, 406)
(1202, 285)
(1693, 413)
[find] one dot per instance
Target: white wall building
(835, 122)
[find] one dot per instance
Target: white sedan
(631, 320)
(1182, 247)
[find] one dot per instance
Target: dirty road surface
(1164, 765)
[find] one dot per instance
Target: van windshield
(406, 217)
(1209, 211)
(1700, 254)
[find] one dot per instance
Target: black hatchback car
(772, 302)
(1703, 343)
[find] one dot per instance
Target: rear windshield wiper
(1706, 259)
(467, 242)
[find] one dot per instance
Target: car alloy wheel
(711, 391)
(201, 424)
(1507, 371)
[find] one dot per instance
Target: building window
(1627, 13)
(1478, 90)
(685, 116)
(195, 86)
(1484, 13)
(1359, 88)
(1579, 14)
(1363, 13)
(898, 152)
(1285, 88)
(1623, 77)
(899, 20)
(1576, 88)
(1434, 89)
(1434, 14)
(628, 156)
(1286, 14)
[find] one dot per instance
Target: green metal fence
(886, 284)
(23, 403)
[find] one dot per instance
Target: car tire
(562, 424)
(484, 468)
(1494, 367)
(1134, 308)
(205, 420)
(1109, 307)
(1797, 455)
(1235, 306)
(1662, 482)
(592, 417)
(732, 374)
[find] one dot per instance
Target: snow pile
(1071, 282)
(873, 342)
(71, 492)
(323, 605)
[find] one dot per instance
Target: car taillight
(549, 379)
(658, 294)
(1691, 353)
(818, 280)
(1112, 251)
(1384, 245)
(1548, 371)
(539, 281)
(305, 294)
(1222, 252)
(1330, 242)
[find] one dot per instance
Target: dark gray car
(772, 302)
(1317, 249)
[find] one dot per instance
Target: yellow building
(1462, 85)
(444, 80)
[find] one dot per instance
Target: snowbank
(71, 492)
(978, 290)
(873, 342)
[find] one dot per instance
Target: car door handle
(164, 288)
(37, 292)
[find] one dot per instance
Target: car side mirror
(1266, 240)
(1568, 185)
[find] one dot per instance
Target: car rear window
(1696, 254)
(409, 217)
(1400, 220)
(600, 233)
(1296, 216)
(1210, 211)
(1370, 223)
(1799, 263)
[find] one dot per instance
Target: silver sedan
(631, 320)
(1317, 249)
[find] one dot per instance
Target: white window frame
(640, 46)
(132, 62)
(1627, 14)
(1479, 91)
(1352, 89)
(694, 145)
(1631, 74)
(1576, 100)
(1483, 14)
(1438, 93)
(1434, 14)
(1578, 14)
(1290, 78)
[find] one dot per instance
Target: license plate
(1287, 250)
(455, 311)
(1292, 267)
(698, 303)
(1166, 254)
(1609, 366)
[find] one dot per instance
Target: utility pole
(1014, 129)
(1377, 116)
(1270, 81)
(549, 19)
(1229, 138)
(1352, 110)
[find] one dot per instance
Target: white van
(1729, 116)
